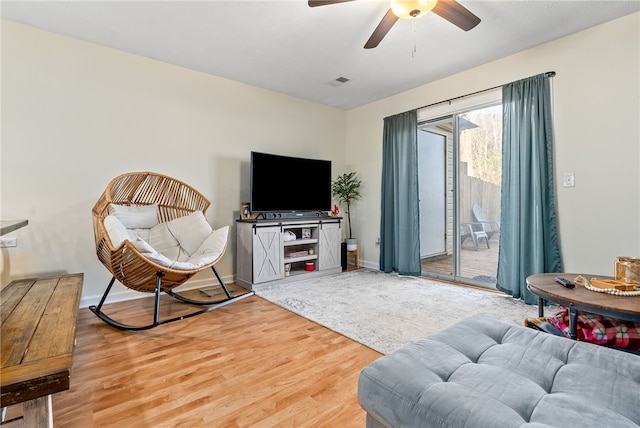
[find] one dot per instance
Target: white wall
(75, 115)
(597, 130)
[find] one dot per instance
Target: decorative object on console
(306, 233)
(294, 254)
(626, 282)
(346, 188)
(628, 270)
(352, 244)
(288, 235)
(245, 210)
(611, 286)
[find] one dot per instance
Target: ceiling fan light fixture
(408, 9)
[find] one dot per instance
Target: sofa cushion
(482, 372)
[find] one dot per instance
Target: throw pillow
(215, 244)
(190, 230)
(116, 230)
(136, 216)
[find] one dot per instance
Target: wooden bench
(37, 335)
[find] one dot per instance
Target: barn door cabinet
(275, 251)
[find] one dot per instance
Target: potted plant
(346, 188)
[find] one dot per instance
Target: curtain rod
(547, 74)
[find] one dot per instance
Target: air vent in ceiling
(340, 81)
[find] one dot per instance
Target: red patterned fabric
(600, 330)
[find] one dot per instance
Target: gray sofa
(482, 373)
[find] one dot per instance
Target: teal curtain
(400, 221)
(529, 242)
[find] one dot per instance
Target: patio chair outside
(490, 227)
(467, 230)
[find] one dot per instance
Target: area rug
(386, 311)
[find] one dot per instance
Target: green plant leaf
(346, 188)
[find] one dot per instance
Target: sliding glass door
(459, 174)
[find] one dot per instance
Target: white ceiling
(288, 47)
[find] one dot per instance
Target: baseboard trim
(369, 265)
(128, 294)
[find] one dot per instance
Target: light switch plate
(8, 242)
(569, 179)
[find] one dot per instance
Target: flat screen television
(285, 184)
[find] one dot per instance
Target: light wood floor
(248, 364)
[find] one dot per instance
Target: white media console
(265, 257)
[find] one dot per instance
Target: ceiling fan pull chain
(414, 31)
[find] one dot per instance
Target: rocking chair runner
(138, 266)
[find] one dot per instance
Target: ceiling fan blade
(314, 3)
(456, 14)
(381, 30)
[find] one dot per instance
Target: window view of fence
(474, 139)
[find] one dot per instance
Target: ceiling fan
(450, 10)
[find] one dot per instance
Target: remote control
(564, 282)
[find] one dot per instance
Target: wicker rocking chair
(134, 263)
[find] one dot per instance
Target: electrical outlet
(8, 242)
(377, 241)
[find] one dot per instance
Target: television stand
(291, 215)
(267, 253)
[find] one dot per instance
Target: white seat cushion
(185, 243)
(150, 253)
(210, 250)
(163, 241)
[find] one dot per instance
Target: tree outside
(481, 147)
